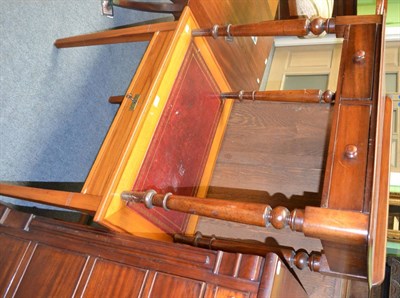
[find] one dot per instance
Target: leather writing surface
(180, 146)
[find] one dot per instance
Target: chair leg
(292, 27)
(70, 200)
(131, 34)
(299, 259)
(315, 222)
(306, 95)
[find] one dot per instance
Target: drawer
(347, 181)
(359, 57)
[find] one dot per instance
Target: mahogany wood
(354, 151)
(291, 27)
(117, 99)
(244, 212)
(344, 7)
(299, 259)
(351, 179)
(379, 208)
(276, 287)
(355, 155)
(131, 34)
(72, 200)
(347, 227)
(251, 56)
(306, 95)
(257, 196)
(52, 258)
(112, 152)
(339, 226)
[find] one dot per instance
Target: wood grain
(9, 265)
(117, 139)
(315, 284)
(64, 269)
(83, 202)
(348, 174)
(278, 148)
(229, 54)
(73, 260)
(130, 34)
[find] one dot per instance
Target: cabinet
(47, 258)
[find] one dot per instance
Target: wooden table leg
(70, 200)
(131, 34)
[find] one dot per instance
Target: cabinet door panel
(12, 250)
(51, 272)
(110, 279)
(165, 285)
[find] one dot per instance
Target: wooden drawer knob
(359, 56)
(351, 151)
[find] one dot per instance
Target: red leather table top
(179, 149)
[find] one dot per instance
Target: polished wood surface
(290, 140)
(349, 180)
(242, 51)
(116, 140)
(50, 258)
(130, 34)
(339, 226)
(299, 259)
(306, 95)
(119, 161)
(71, 200)
(291, 27)
(353, 154)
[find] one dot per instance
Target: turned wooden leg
(70, 200)
(299, 259)
(131, 34)
(306, 95)
(339, 226)
(291, 27)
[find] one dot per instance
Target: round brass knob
(351, 151)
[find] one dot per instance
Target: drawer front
(359, 57)
(350, 158)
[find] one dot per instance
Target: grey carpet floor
(54, 112)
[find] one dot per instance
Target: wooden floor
(274, 153)
(315, 284)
